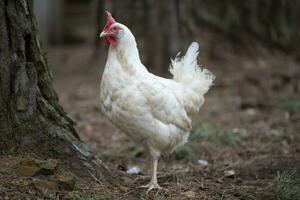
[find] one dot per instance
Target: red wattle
(111, 40)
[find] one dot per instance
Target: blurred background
(171, 25)
(252, 111)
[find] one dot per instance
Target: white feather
(187, 71)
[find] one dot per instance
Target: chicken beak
(102, 34)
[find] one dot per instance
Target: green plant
(204, 132)
(293, 106)
(134, 150)
(287, 187)
(214, 134)
(185, 152)
(230, 139)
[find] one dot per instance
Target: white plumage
(151, 110)
(186, 71)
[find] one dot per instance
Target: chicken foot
(153, 183)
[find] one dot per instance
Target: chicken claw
(152, 186)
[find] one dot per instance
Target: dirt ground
(252, 111)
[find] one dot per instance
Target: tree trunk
(98, 8)
(273, 23)
(31, 118)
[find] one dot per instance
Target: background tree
(164, 27)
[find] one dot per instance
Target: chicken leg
(153, 183)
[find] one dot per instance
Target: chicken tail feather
(187, 71)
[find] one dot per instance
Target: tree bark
(31, 118)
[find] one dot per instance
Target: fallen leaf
(229, 173)
(133, 170)
(66, 182)
(190, 194)
(203, 163)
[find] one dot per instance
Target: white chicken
(151, 110)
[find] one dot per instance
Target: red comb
(110, 21)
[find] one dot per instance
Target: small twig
(200, 184)
(140, 178)
(164, 175)
(130, 191)
(95, 178)
(220, 180)
(45, 193)
(176, 178)
(222, 195)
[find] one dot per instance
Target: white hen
(151, 110)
